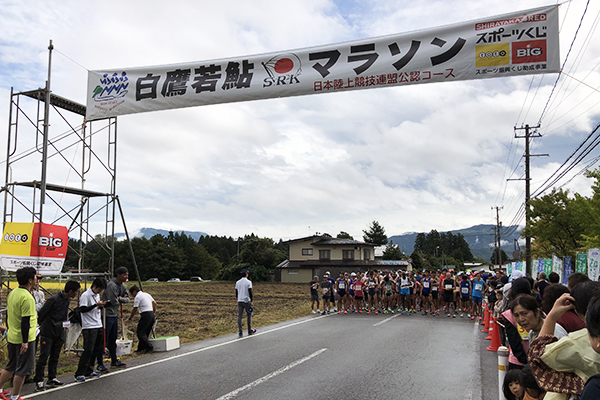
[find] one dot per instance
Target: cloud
(414, 158)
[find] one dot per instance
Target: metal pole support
(502, 369)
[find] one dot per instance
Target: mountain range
(479, 237)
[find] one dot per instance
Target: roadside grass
(201, 310)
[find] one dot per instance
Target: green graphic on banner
(581, 263)
(547, 266)
(593, 261)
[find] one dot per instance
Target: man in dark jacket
(53, 318)
(115, 295)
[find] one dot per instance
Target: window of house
(348, 254)
(325, 254)
(307, 252)
(367, 254)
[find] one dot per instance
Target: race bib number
(478, 287)
(324, 291)
(426, 285)
(342, 285)
(435, 288)
(464, 290)
(447, 287)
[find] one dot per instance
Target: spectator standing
(21, 320)
(115, 295)
(52, 319)
(243, 292)
(145, 304)
(91, 329)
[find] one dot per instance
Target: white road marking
(385, 320)
(128, 369)
(265, 378)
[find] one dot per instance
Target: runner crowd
(427, 292)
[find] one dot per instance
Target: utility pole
(497, 241)
(528, 135)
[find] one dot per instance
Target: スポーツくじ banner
(519, 43)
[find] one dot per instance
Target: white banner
(593, 260)
(519, 43)
(557, 266)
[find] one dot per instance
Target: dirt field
(199, 310)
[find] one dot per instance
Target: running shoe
(39, 386)
(360, 311)
(313, 311)
(462, 315)
(480, 318)
(251, 331)
(448, 315)
(323, 313)
(318, 311)
(404, 312)
(80, 378)
(369, 312)
(454, 316)
(472, 318)
(95, 374)
(392, 311)
(409, 313)
(376, 312)
(339, 312)
(424, 313)
(469, 315)
(346, 312)
(55, 382)
(385, 311)
(118, 364)
(437, 313)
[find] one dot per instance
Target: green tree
(557, 224)
(392, 252)
(344, 235)
(498, 259)
(375, 234)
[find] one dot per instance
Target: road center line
(265, 378)
(128, 369)
(385, 320)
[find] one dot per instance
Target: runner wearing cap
(449, 287)
(326, 289)
(341, 286)
(357, 287)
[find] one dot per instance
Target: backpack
(75, 316)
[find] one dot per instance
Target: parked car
(195, 279)
(174, 280)
(152, 280)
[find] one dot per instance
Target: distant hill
(149, 232)
(479, 237)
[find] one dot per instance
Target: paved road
(323, 357)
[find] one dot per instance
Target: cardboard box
(124, 347)
(165, 343)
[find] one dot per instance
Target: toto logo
(15, 237)
(492, 54)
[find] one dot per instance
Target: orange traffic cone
(492, 327)
(495, 333)
(485, 317)
(486, 321)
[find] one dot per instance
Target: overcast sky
(414, 158)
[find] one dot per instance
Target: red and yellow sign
(38, 245)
